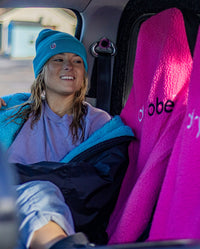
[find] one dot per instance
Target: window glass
(19, 28)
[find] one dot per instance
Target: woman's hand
(2, 103)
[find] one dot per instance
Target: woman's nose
(67, 65)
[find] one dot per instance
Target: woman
(70, 156)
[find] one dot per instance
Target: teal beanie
(51, 42)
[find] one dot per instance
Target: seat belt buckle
(103, 47)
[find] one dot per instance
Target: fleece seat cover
(177, 214)
(155, 111)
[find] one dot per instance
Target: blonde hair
(34, 104)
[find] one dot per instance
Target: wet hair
(34, 106)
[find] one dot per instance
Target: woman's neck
(61, 106)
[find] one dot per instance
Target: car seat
(177, 213)
(155, 110)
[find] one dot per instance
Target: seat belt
(103, 50)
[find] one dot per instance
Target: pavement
(16, 75)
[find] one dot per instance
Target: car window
(19, 28)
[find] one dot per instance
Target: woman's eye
(78, 61)
(58, 59)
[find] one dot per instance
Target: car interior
(142, 65)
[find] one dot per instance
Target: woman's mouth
(65, 77)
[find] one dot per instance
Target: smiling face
(64, 75)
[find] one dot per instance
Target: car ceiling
(79, 5)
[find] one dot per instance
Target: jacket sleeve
(89, 191)
(15, 99)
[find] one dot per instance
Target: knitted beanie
(51, 42)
